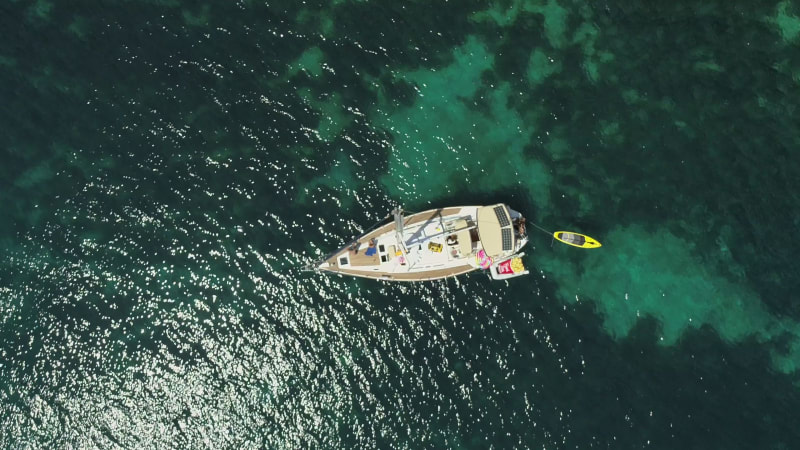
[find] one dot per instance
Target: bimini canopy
(495, 230)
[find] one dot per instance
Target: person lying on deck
(372, 247)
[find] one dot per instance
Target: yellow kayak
(576, 239)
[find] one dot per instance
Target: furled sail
(398, 225)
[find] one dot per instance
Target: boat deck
(422, 263)
(361, 258)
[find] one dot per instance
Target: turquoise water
(167, 169)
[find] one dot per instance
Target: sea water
(168, 168)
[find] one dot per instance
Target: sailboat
(435, 244)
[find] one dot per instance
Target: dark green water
(168, 167)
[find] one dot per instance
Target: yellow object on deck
(576, 239)
(434, 247)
